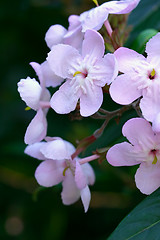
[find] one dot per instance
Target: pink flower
(140, 73)
(92, 19)
(37, 97)
(95, 18)
(144, 150)
(58, 34)
(141, 78)
(86, 74)
(59, 167)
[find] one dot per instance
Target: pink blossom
(143, 149)
(58, 34)
(37, 97)
(95, 18)
(141, 78)
(92, 19)
(139, 73)
(86, 74)
(58, 166)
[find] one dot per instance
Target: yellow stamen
(27, 108)
(155, 160)
(96, 2)
(153, 73)
(64, 171)
(77, 72)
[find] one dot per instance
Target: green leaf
(140, 42)
(143, 223)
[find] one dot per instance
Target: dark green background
(27, 211)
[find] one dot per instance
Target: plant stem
(88, 159)
(111, 35)
(108, 28)
(108, 116)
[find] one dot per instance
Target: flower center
(153, 152)
(152, 74)
(70, 164)
(84, 73)
(64, 171)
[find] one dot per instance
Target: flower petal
(150, 103)
(33, 150)
(74, 22)
(124, 154)
(70, 193)
(153, 48)
(156, 123)
(105, 71)
(120, 7)
(37, 129)
(94, 18)
(65, 99)
(37, 68)
(64, 60)
(49, 173)
(139, 132)
(85, 197)
(128, 59)
(89, 173)
(80, 178)
(91, 101)
(124, 89)
(93, 45)
(51, 79)
(74, 36)
(30, 92)
(55, 150)
(55, 35)
(148, 177)
(70, 148)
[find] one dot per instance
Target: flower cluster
(140, 78)
(59, 166)
(79, 64)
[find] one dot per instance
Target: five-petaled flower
(58, 166)
(144, 150)
(141, 77)
(86, 74)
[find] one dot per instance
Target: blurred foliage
(27, 211)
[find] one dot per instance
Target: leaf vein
(143, 230)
